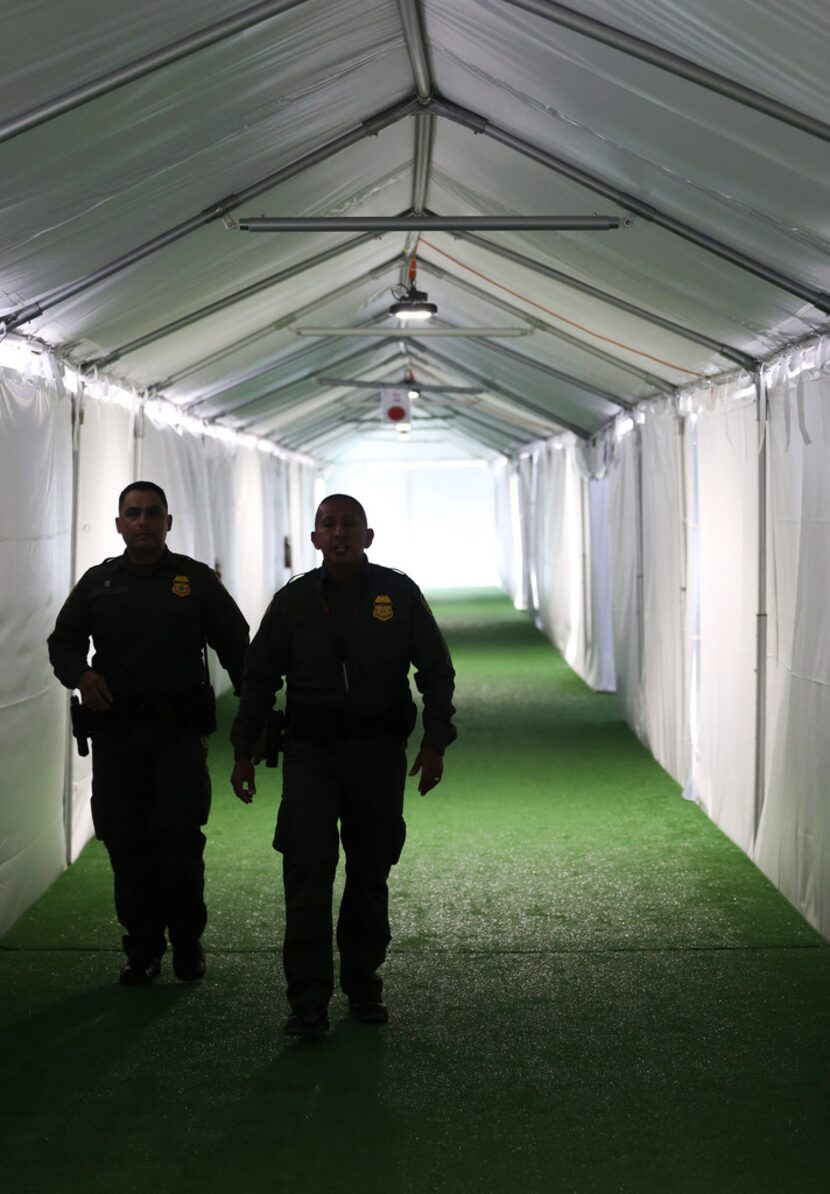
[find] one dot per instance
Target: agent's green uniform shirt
(346, 653)
(148, 624)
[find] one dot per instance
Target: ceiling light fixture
(413, 305)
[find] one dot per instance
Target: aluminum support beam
(539, 325)
(480, 124)
(301, 400)
(761, 620)
(636, 47)
(401, 334)
(678, 329)
(270, 391)
(427, 223)
(222, 304)
(549, 417)
(279, 324)
(174, 52)
(252, 375)
(560, 375)
(413, 33)
(217, 211)
(412, 385)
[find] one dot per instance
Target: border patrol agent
(148, 707)
(344, 636)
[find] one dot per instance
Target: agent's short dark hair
(144, 487)
(341, 497)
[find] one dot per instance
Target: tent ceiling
(119, 245)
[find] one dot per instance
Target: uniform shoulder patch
(383, 609)
(181, 586)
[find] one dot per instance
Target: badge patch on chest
(181, 586)
(383, 610)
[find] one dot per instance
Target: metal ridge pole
(539, 325)
(727, 350)
(636, 47)
(217, 211)
(413, 33)
(174, 52)
(559, 374)
(229, 300)
(479, 124)
(427, 223)
(497, 388)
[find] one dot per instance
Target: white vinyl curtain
(35, 531)
(793, 841)
(231, 507)
(726, 582)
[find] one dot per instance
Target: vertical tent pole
(761, 619)
(641, 616)
(683, 518)
(77, 423)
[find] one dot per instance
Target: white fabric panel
(106, 453)
(508, 529)
(435, 522)
(35, 517)
(727, 473)
(599, 663)
(793, 842)
(261, 525)
(624, 552)
(664, 680)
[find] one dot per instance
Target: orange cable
(532, 302)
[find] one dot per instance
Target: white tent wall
(509, 530)
(230, 504)
(727, 585)
(35, 546)
(435, 521)
(680, 503)
(793, 842)
(626, 575)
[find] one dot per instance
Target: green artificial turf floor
(591, 990)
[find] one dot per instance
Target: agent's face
(342, 536)
(143, 524)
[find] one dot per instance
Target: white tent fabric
(793, 842)
(35, 529)
(727, 472)
(626, 573)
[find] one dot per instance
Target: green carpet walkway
(591, 990)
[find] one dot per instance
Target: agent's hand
(431, 766)
(94, 690)
(242, 780)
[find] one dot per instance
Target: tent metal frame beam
(222, 304)
(407, 334)
(270, 391)
(183, 47)
(497, 388)
(675, 64)
(539, 325)
(279, 324)
(217, 211)
(481, 125)
(560, 375)
(726, 350)
(356, 384)
(431, 223)
(261, 371)
(416, 46)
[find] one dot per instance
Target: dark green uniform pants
(360, 783)
(150, 797)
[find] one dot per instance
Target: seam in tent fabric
(555, 314)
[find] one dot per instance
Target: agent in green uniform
(343, 636)
(149, 614)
